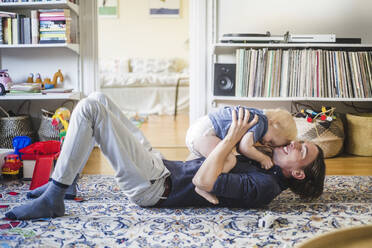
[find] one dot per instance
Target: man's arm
(212, 167)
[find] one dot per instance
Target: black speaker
(224, 79)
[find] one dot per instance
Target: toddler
(275, 127)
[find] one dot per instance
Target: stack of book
(303, 73)
(55, 26)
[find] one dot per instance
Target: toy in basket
(60, 121)
(322, 128)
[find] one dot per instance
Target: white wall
(345, 18)
(135, 34)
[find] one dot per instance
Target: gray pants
(139, 170)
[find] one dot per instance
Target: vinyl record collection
(303, 73)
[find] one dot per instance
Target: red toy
(45, 153)
(12, 165)
(42, 148)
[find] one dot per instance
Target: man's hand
(239, 126)
(266, 162)
(212, 167)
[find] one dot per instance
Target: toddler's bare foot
(208, 196)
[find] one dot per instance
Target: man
(148, 180)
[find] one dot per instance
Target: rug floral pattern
(107, 219)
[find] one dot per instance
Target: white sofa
(145, 86)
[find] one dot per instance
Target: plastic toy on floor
(42, 148)
(138, 119)
(20, 142)
(12, 165)
(45, 153)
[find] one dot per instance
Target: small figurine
(52, 84)
(47, 83)
(38, 79)
(30, 78)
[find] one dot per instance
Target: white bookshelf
(288, 99)
(71, 46)
(41, 96)
(41, 5)
(42, 58)
(230, 48)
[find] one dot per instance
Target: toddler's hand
(208, 196)
(266, 163)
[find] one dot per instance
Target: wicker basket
(359, 134)
(12, 126)
(330, 139)
(46, 130)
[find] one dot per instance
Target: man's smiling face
(296, 155)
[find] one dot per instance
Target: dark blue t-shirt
(245, 186)
(221, 121)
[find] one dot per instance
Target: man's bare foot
(208, 196)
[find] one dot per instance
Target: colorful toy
(38, 79)
(20, 142)
(52, 84)
(61, 117)
(30, 78)
(45, 153)
(12, 165)
(5, 82)
(325, 115)
(47, 83)
(48, 147)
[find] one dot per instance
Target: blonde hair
(282, 120)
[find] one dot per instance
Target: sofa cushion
(152, 65)
(114, 65)
(132, 79)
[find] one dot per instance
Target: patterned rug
(107, 219)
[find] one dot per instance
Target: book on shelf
(39, 26)
(25, 88)
(34, 27)
(55, 24)
(7, 14)
(303, 73)
(57, 90)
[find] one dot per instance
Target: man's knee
(87, 108)
(98, 96)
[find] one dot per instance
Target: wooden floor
(167, 135)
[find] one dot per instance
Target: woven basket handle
(23, 104)
(68, 101)
(4, 112)
(46, 113)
